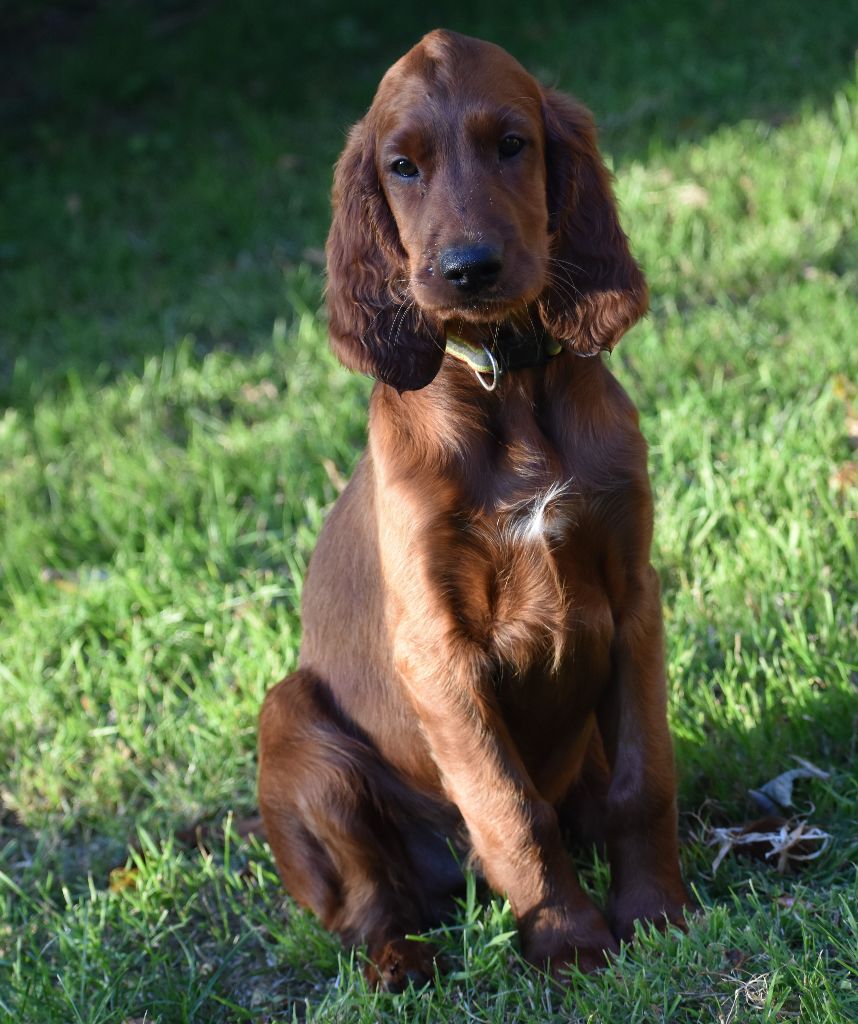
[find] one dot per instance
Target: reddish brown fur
(470, 670)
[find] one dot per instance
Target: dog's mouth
(487, 305)
(489, 309)
(481, 310)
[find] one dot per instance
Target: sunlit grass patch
(174, 430)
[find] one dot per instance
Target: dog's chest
(555, 520)
(533, 494)
(523, 537)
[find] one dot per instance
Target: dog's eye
(510, 145)
(404, 168)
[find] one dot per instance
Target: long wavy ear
(375, 328)
(596, 291)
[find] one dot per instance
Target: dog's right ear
(598, 291)
(375, 327)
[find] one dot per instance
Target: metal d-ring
(496, 373)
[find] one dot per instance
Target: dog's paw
(399, 963)
(587, 958)
(662, 907)
(585, 944)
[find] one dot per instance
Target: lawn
(173, 430)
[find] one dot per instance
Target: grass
(173, 429)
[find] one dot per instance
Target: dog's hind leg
(330, 810)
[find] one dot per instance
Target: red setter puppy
(482, 662)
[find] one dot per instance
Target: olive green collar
(513, 352)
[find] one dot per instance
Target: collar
(505, 353)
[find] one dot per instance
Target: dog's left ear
(596, 291)
(374, 329)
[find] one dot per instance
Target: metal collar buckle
(496, 371)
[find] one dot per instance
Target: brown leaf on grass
(786, 843)
(844, 478)
(121, 879)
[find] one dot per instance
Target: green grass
(173, 430)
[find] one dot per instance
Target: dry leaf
(121, 879)
(845, 477)
(775, 840)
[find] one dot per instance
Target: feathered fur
(482, 653)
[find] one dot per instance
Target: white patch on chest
(543, 517)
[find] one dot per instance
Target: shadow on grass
(656, 72)
(170, 161)
(748, 719)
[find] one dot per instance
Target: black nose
(470, 267)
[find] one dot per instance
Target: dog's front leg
(642, 839)
(514, 831)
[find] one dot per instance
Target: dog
(482, 669)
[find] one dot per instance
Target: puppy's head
(469, 194)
